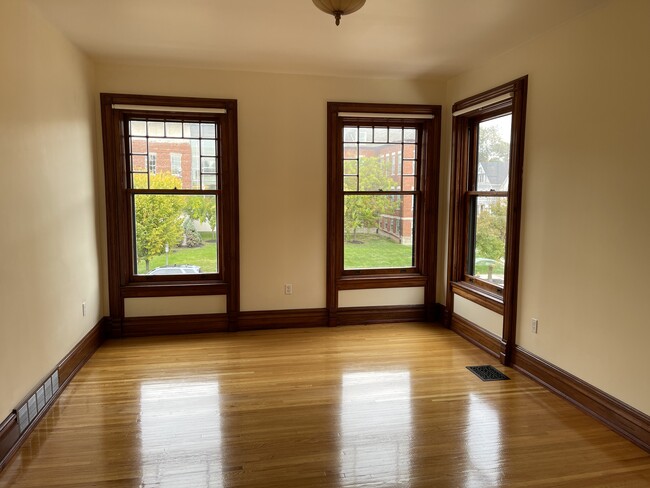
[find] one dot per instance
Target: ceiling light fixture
(339, 7)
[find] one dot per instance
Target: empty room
(324, 243)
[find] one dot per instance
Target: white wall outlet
(288, 289)
(83, 308)
(533, 326)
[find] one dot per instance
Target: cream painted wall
(48, 205)
(585, 222)
(481, 316)
(282, 164)
(161, 306)
(376, 297)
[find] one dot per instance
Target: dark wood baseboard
(380, 315)
(10, 437)
(618, 416)
(476, 335)
(282, 319)
(174, 324)
(440, 314)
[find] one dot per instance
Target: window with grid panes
(177, 193)
(377, 183)
(173, 216)
(382, 165)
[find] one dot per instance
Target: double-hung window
(487, 157)
(382, 164)
(171, 186)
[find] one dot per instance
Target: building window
(487, 152)
(381, 162)
(165, 229)
(152, 163)
(175, 160)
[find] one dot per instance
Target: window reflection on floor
(180, 431)
(484, 467)
(376, 427)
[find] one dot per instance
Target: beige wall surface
(48, 205)
(282, 164)
(585, 220)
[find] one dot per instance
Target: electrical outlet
(533, 326)
(288, 289)
(83, 308)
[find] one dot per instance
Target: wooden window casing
(510, 98)
(426, 119)
(117, 110)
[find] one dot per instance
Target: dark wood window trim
(501, 301)
(424, 272)
(478, 295)
(122, 282)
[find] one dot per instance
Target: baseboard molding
(476, 335)
(282, 319)
(618, 416)
(440, 314)
(380, 315)
(10, 437)
(174, 324)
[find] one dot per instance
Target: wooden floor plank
(381, 405)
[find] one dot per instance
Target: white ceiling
(386, 38)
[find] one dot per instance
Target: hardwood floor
(381, 405)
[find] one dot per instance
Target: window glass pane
(155, 129)
(139, 163)
(174, 129)
(209, 165)
(365, 134)
(209, 182)
(191, 129)
(138, 128)
(408, 183)
(487, 238)
(208, 147)
(350, 167)
(350, 151)
(409, 167)
(350, 183)
(138, 145)
(350, 134)
(208, 131)
(175, 234)
(410, 135)
(378, 231)
(395, 134)
(493, 154)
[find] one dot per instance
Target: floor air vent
(35, 404)
(488, 373)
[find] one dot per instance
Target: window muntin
(174, 201)
(380, 184)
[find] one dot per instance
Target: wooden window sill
(478, 295)
(380, 281)
(169, 289)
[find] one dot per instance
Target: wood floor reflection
(378, 406)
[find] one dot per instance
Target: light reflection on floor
(174, 437)
(376, 428)
(484, 444)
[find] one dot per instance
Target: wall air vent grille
(36, 403)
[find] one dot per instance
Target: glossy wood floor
(377, 406)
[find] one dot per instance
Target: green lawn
(204, 256)
(376, 252)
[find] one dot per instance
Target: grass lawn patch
(376, 251)
(204, 256)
